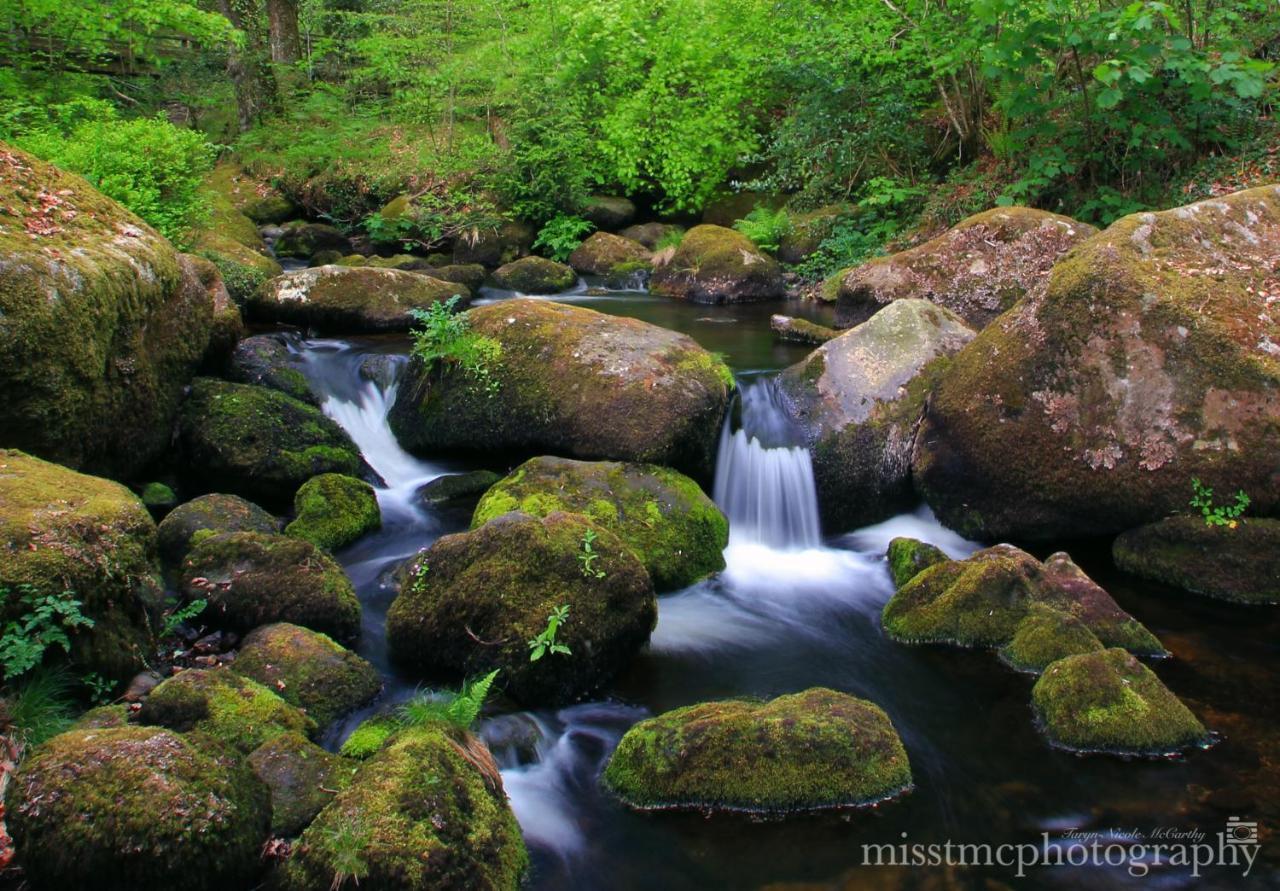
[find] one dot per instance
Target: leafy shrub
(561, 236)
(446, 339)
(765, 227)
(42, 623)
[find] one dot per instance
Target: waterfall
(764, 480)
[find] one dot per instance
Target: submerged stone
(1240, 564)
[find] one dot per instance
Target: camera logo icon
(1241, 832)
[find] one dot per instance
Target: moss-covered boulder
(471, 603)
(300, 239)
(65, 531)
(908, 557)
(235, 710)
(230, 240)
(427, 812)
(251, 579)
(807, 231)
(859, 399)
(370, 736)
(244, 269)
(301, 777)
(102, 323)
(1045, 635)
(609, 255)
(801, 330)
(250, 195)
(1108, 701)
(209, 514)
(492, 247)
(807, 751)
(977, 269)
(1240, 563)
(574, 382)
(718, 265)
(652, 234)
(307, 669)
(1148, 359)
(132, 808)
(472, 275)
(981, 601)
(608, 212)
(266, 361)
(350, 300)
(535, 275)
(159, 498)
(331, 511)
(666, 520)
(227, 326)
(258, 442)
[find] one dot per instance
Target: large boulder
(981, 601)
(977, 269)
(608, 212)
(427, 812)
(102, 323)
(209, 514)
(859, 399)
(332, 510)
(302, 779)
(1240, 563)
(807, 751)
(250, 195)
(266, 361)
(491, 247)
(472, 602)
(667, 521)
(575, 382)
(718, 265)
(132, 809)
(250, 579)
(609, 255)
(348, 299)
(535, 275)
(226, 327)
(230, 239)
(1149, 358)
(258, 442)
(307, 669)
(302, 239)
(64, 531)
(1108, 701)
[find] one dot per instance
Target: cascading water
(764, 478)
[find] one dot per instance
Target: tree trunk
(282, 21)
(248, 65)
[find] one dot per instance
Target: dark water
(778, 621)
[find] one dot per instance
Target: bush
(765, 227)
(561, 236)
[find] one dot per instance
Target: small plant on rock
(561, 236)
(459, 709)
(1220, 514)
(446, 338)
(589, 556)
(42, 623)
(766, 228)
(546, 642)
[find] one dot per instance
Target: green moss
(909, 557)
(369, 738)
(307, 669)
(302, 779)
(234, 710)
(810, 750)
(1241, 565)
(1108, 701)
(103, 717)
(535, 275)
(718, 265)
(426, 812)
(158, 495)
(1046, 635)
(662, 516)
(209, 513)
(132, 808)
(333, 510)
(609, 255)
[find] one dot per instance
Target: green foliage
(766, 228)
(446, 338)
(561, 236)
(670, 239)
(176, 616)
(545, 642)
(346, 841)
(883, 212)
(459, 709)
(42, 705)
(1221, 514)
(98, 687)
(589, 555)
(42, 623)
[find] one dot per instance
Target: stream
(797, 608)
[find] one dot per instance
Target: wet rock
(1148, 359)
(651, 234)
(1240, 564)
(303, 240)
(382, 368)
(807, 751)
(666, 520)
(801, 330)
(1045, 635)
(609, 255)
(718, 265)
(350, 299)
(859, 399)
(332, 511)
(266, 361)
(908, 558)
(608, 213)
(457, 487)
(211, 514)
(500, 583)
(535, 275)
(472, 275)
(302, 779)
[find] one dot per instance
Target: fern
(459, 709)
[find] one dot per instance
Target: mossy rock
(1046, 635)
(535, 275)
(1108, 701)
(666, 520)
(209, 514)
(981, 602)
(500, 583)
(859, 398)
(807, 231)
(249, 195)
(492, 247)
(605, 254)
(265, 360)
(369, 737)
(1144, 362)
(302, 779)
(718, 265)
(235, 710)
(908, 557)
(103, 717)
(801, 330)
(574, 382)
(471, 275)
(427, 812)
(457, 487)
(159, 498)
(251, 579)
(727, 207)
(132, 809)
(102, 323)
(307, 669)
(227, 326)
(1240, 564)
(807, 751)
(330, 258)
(64, 531)
(348, 300)
(258, 442)
(404, 262)
(331, 511)
(302, 240)
(651, 234)
(243, 269)
(608, 212)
